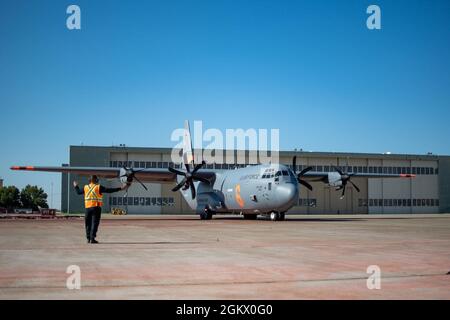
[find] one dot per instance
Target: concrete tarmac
(182, 257)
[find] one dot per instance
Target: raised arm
(77, 188)
(112, 190)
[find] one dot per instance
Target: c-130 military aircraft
(265, 189)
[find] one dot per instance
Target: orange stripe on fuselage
(238, 197)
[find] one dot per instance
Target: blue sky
(137, 69)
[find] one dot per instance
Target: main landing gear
(276, 216)
(206, 214)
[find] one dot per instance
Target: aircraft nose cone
(287, 193)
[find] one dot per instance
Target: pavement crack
(219, 283)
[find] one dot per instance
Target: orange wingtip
(22, 168)
(403, 175)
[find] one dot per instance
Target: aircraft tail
(188, 160)
(188, 152)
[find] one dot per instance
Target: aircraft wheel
(274, 216)
(206, 215)
(250, 216)
(282, 216)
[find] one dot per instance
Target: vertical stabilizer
(188, 153)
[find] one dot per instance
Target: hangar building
(428, 192)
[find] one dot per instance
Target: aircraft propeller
(301, 173)
(189, 178)
(129, 174)
(345, 177)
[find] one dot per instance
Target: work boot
(93, 241)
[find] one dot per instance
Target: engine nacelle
(126, 176)
(334, 179)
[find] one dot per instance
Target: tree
(33, 197)
(9, 197)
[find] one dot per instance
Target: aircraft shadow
(325, 219)
(295, 219)
(155, 219)
(238, 218)
(156, 242)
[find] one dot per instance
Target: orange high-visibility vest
(92, 196)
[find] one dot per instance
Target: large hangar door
(335, 205)
(326, 200)
(349, 200)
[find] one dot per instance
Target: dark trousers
(92, 220)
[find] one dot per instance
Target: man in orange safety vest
(93, 201)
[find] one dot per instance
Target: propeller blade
(197, 178)
(189, 177)
(294, 164)
(177, 187)
(304, 171)
(192, 187)
(343, 193)
(306, 184)
(181, 173)
(198, 166)
(338, 170)
(127, 171)
(143, 185)
(356, 187)
(180, 185)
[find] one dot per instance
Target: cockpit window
(278, 174)
(285, 173)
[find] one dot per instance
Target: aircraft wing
(312, 175)
(145, 175)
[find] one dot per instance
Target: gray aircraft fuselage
(258, 189)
